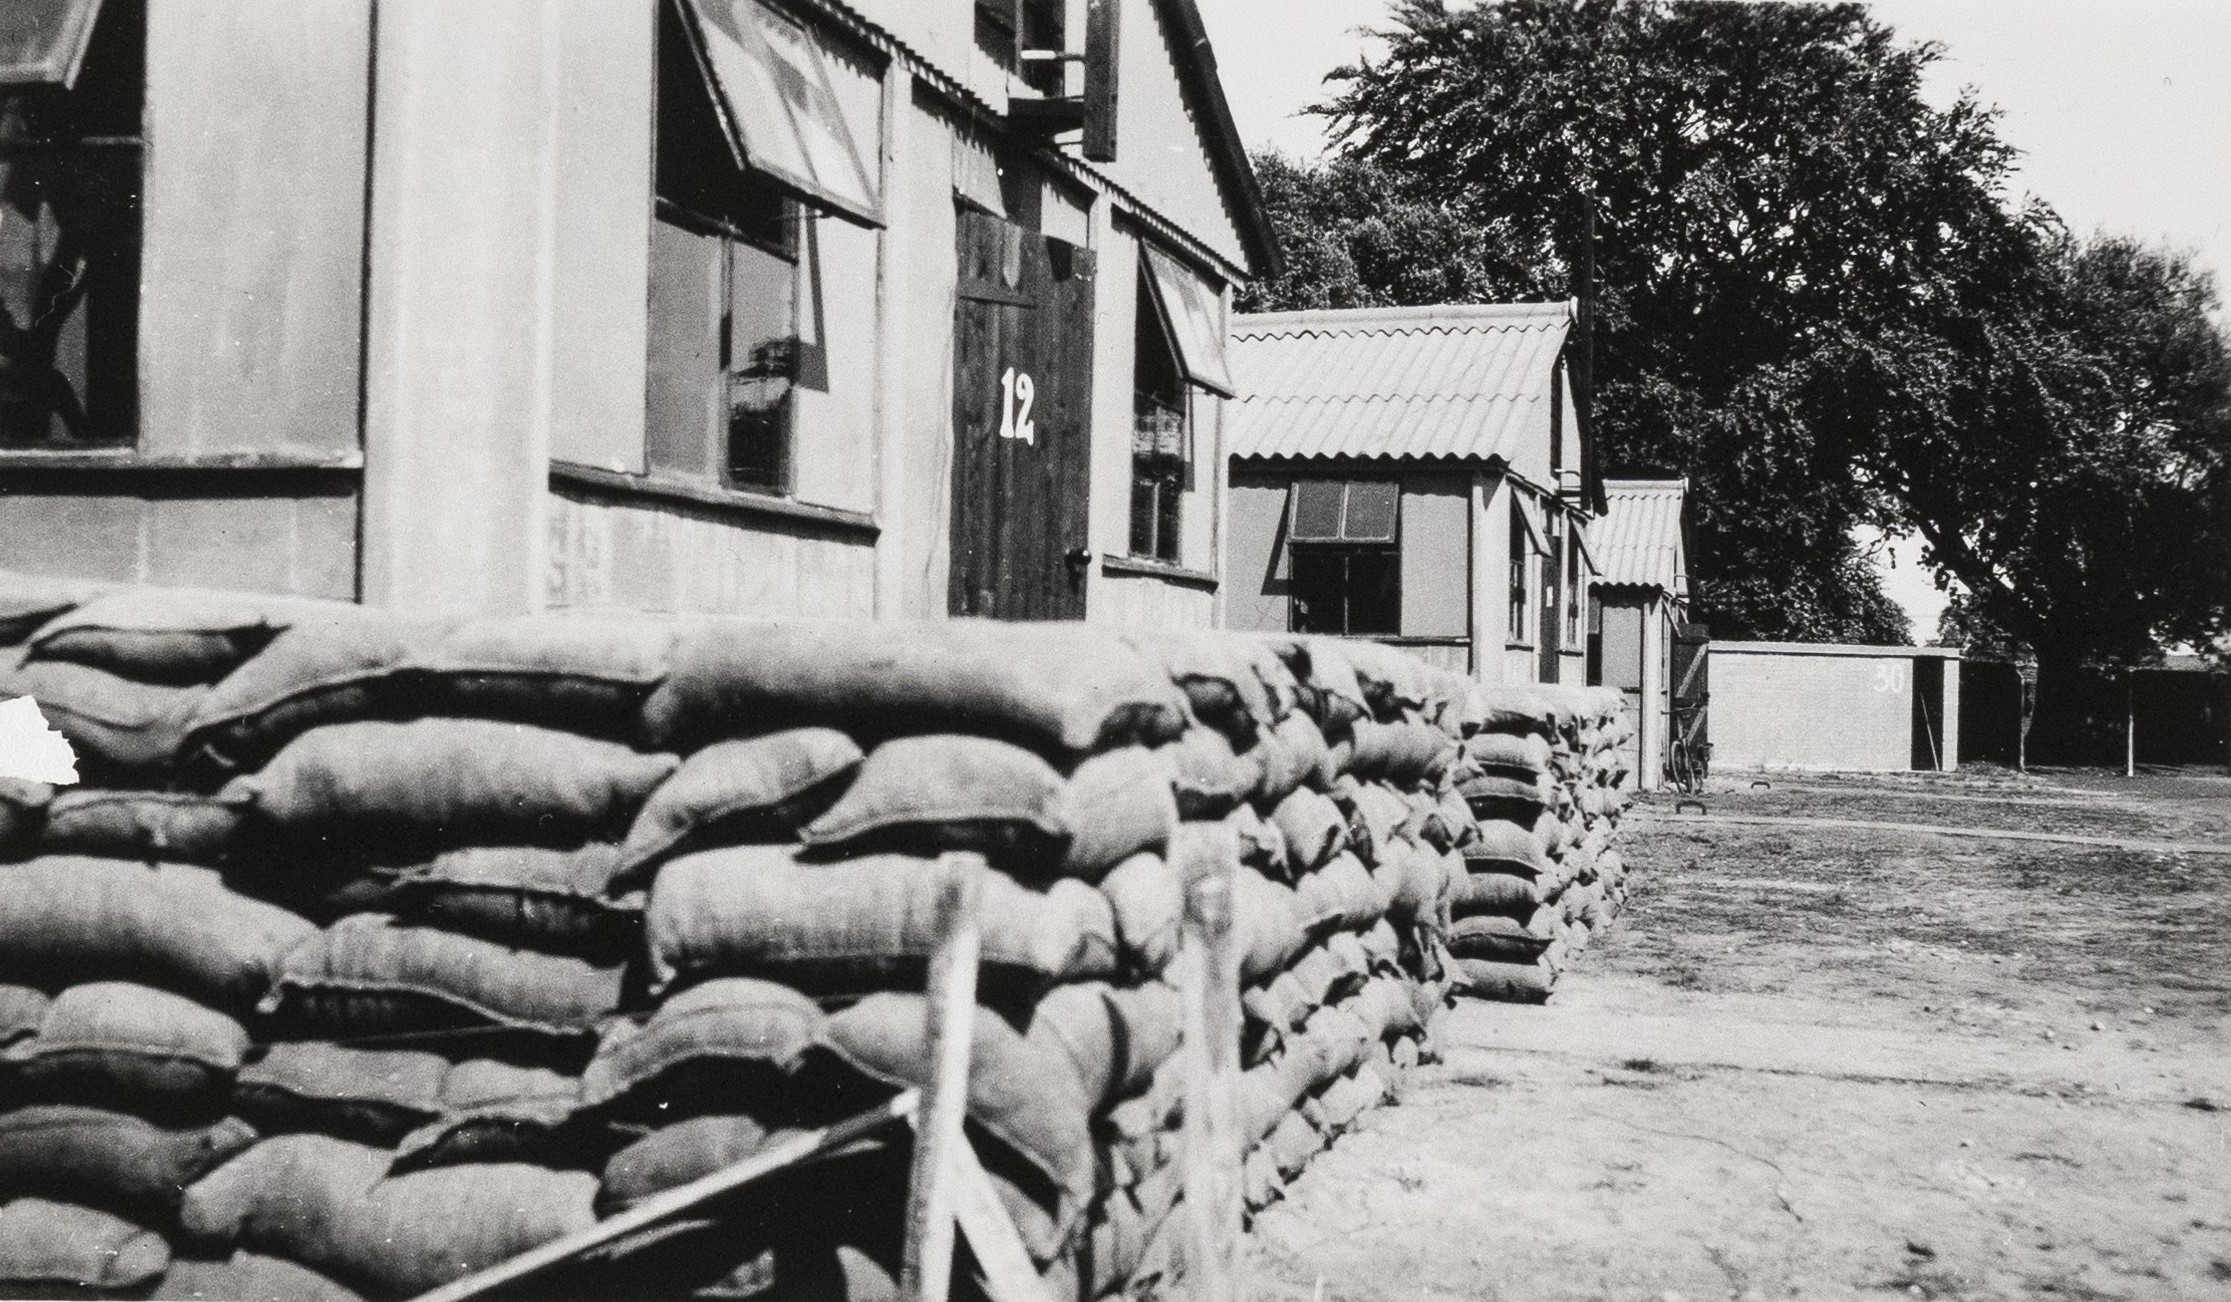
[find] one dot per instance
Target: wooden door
(1692, 685)
(1022, 423)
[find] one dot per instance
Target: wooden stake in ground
(927, 1270)
(1208, 983)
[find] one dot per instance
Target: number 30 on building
(1890, 676)
(1019, 391)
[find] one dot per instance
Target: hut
(787, 307)
(1418, 476)
(1638, 605)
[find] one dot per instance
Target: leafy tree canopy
(1771, 193)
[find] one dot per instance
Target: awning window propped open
(42, 42)
(1190, 313)
(1343, 511)
(1526, 509)
(771, 79)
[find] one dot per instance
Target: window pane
(1143, 509)
(684, 376)
(1317, 510)
(1371, 512)
(1168, 498)
(69, 296)
(762, 359)
(1320, 580)
(1375, 591)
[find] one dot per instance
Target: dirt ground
(1829, 1064)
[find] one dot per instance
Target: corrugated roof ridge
(1306, 399)
(1395, 320)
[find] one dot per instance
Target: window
(71, 90)
(1006, 28)
(1573, 584)
(1347, 564)
(1161, 429)
(735, 309)
(1178, 336)
(1521, 557)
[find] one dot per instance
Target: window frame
(680, 55)
(1164, 477)
(1346, 545)
(1521, 603)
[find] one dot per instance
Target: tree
(1770, 189)
(2073, 468)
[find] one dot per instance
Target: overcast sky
(2121, 108)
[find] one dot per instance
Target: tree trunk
(2072, 709)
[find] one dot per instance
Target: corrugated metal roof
(1638, 537)
(1406, 382)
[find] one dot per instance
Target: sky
(2121, 108)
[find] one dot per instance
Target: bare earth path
(1830, 1063)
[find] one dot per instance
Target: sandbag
(325, 1203)
(1292, 1143)
(730, 1040)
(1516, 799)
(1207, 776)
(1147, 903)
(1392, 680)
(122, 730)
(340, 668)
(71, 919)
(583, 672)
(677, 1153)
(1261, 846)
(1061, 689)
(1378, 816)
(1018, 1092)
(50, 1249)
(757, 789)
(1282, 1004)
(1330, 691)
(1508, 894)
(1504, 846)
(1292, 753)
(862, 924)
(1312, 827)
(531, 897)
(173, 826)
(1515, 983)
(1340, 894)
(368, 975)
(1384, 1005)
(130, 1047)
(1113, 1037)
(1524, 756)
(29, 601)
(247, 1277)
(109, 1160)
(1402, 753)
(924, 795)
(23, 807)
(1113, 806)
(22, 1008)
(501, 1112)
(179, 636)
(1491, 936)
(444, 782)
(1217, 675)
(368, 1096)
(1270, 925)
(1518, 710)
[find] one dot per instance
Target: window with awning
(1192, 314)
(771, 81)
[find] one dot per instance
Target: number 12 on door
(1019, 391)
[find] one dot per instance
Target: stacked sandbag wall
(371, 951)
(1546, 774)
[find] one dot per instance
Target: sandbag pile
(1546, 776)
(372, 951)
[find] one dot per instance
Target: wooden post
(2130, 729)
(932, 1192)
(1208, 984)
